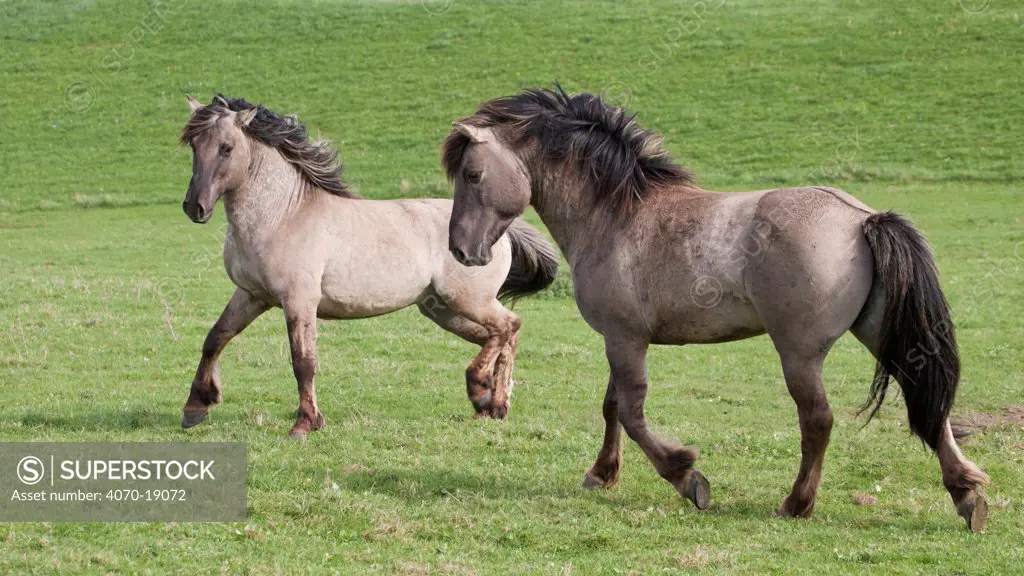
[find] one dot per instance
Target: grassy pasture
(107, 290)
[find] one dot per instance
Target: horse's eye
(225, 150)
(473, 176)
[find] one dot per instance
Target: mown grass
(106, 289)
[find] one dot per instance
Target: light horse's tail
(917, 345)
(534, 262)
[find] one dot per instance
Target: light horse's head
(541, 142)
(221, 154)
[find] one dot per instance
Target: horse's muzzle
(196, 212)
(479, 257)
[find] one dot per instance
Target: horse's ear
(476, 135)
(193, 103)
(218, 99)
(245, 116)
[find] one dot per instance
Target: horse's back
(712, 267)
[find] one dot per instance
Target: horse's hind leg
(240, 311)
(803, 378)
(501, 325)
(479, 392)
(503, 383)
(488, 377)
(963, 480)
(961, 477)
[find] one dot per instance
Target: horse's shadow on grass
(419, 486)
(134, 418)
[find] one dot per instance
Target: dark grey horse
(657, 260)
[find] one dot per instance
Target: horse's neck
(273, 191)
(574, 218)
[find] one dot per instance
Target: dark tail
(534, 262)
(917, 345)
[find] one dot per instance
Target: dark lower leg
(605, 471)
(674, 462)
(302, 336)
(480, 380)
(480, 377)
(240, 311)
(815, 429)
(803, 378)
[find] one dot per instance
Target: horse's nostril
(458, 254)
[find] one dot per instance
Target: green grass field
(107, 290)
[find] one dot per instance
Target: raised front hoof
(974, 509)
(481, 403)
(491, 411)
(791, 508)
(305, 425)
(695, 488)
(500, 412)
(592, 481)
(190, 418)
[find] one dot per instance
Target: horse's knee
(514, 323)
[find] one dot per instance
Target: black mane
(622, 160)
(316, 161)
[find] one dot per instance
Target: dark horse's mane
(622, 160)
(317, 161)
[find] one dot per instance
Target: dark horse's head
(498, 156)
(220, 153)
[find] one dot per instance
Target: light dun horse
(657, 260)
(298, 239)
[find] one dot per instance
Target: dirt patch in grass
(973, 422)
(864, 499)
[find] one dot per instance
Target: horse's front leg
(627, 358)
(301, 320)
(241, 310)
(605, 471)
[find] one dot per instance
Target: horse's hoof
(792, 508)
(695, 488)
(592, 482)
(975, 512)
(499, 412)
(305, 425)
(191, 418)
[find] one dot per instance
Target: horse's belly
(371, 292)
(723, 321)
(362, 307)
